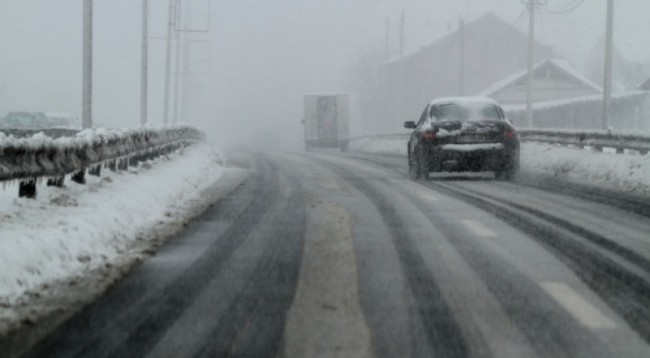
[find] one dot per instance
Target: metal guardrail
(52, 133)
(40, 156)
(580, 138)
(595, 139)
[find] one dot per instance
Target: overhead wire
(567, 10)
(513, 25)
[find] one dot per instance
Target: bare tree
(365, 79)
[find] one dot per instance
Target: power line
(513, 25)
(567, 10)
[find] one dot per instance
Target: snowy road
(341, 255)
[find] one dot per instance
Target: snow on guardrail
(52, 132)
(41, 156)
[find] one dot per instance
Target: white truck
(326, 121)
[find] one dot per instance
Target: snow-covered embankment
(97, 230)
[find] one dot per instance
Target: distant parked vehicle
(326, 121)
(463, 134)
(39, 120)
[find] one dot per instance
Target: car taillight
(429, 135)
(510, 133)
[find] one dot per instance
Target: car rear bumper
(472, 157)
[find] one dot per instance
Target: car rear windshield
(465, 112)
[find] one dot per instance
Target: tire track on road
(253, 325)
(595, 238)
(542, 324)
(142, 323)
(624, 291)
(443, 332)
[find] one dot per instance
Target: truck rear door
(327, 130)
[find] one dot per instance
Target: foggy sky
(264, 54)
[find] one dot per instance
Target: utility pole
(182, 83)
(87, 66)
(184, 107)
(144, 80)
(402, 29)
(461, 77)
(531, 60)
(168, 57)
(609, 45)
(177, 71)
(387, 41)
(185, 88)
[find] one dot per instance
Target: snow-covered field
(103, 226)
(629, 172)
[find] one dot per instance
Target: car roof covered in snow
(463, 100)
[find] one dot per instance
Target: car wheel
(418, 165)
(507, 173)
(413, 172)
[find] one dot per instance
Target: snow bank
(629, 172)
(69, 231)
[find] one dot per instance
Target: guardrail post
(581, 138)
(27, 189)
(79, 177)
(112, 165)
(133, 160)
(56, 181)
(95, 171)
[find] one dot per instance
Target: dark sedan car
(463, 134)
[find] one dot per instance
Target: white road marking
(586, 313)
(479, 228)
(326, 318)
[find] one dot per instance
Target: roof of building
(645, 85)
(560, 64)
(487, 17)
